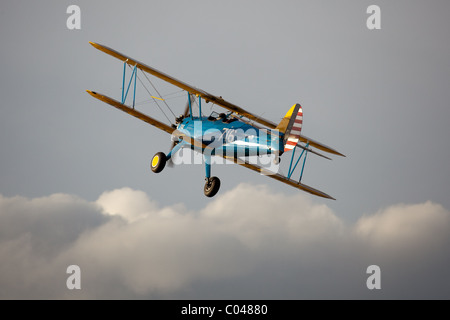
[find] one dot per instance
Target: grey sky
(380, 97)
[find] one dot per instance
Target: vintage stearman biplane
(237, 135)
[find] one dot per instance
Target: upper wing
(279, 177)
(205, 95)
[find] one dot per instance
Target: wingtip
(337, 153)
(333, 151)
(326, 196)
(95, 45)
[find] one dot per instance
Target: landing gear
(158, 162)
(212, 185)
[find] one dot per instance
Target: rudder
(291, 126)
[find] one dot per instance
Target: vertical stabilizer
(291, 126)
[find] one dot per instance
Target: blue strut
(208, 166)
(125, 94)
(290, 172)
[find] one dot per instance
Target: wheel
(158, 162)
(212, 185)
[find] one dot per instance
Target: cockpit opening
(224, 117)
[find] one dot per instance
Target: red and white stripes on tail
(294, 133)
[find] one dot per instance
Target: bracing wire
(147, 101)
(158, 93)
(153, 98)
(172, 93)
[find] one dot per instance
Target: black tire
(158, 162)
(212, 186)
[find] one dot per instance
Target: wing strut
(290, 172)
(133, 77)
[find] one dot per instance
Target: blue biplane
(236, 135)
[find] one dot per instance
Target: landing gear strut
(212, 185)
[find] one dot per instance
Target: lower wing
(279, 177)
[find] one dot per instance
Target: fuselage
(230, 136)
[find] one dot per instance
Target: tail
(291, 126)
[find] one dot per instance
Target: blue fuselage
(229, 136)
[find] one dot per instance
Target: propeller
(178, 120)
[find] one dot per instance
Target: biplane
(236, 135)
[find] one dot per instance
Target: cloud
(33, 234)
(51, 223)
(247, 243)
(130, 204)
(405, 226)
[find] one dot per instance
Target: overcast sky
(75, 184)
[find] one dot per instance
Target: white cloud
(255, 214)
(405, 226)
(130, 204)
(243, 241)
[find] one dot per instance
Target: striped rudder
(291, 126)
(292, 135)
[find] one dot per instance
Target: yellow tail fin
(288, 119)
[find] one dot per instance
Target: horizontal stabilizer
(318, 145)
(312, 151)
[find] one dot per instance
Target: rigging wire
(153, 98)
(158, 93)
(146, 101)
(173, 93)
